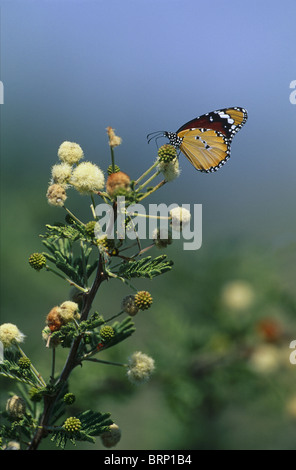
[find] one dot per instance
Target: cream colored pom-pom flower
(61, 173)
(69, 311)
(87, 178)
(56, 195)
(180, 218)
(140, 368)
(170, 170)
(70, 152)
(10, 335)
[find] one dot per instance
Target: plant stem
(35, 371)
(53, 365)
(72, 283)
(73, 216)
(112, 159)
(114, 316)
(104, 362)
(148, 181)
(159, 185)
(71, 362)
(146, 172)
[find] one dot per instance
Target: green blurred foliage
(219, 330)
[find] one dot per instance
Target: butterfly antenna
(154, 135)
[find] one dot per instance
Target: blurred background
(223, 319)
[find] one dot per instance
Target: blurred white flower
(265, 359)
(140, 368)
(237, 295)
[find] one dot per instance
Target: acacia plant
(84, 256)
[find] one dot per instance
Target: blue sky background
(70, 68)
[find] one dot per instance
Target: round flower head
(116, 182)
(10, 335)
(69, 398)
(68, 311)
(24, 363)
(12, 445)
(53, 319)
(114, 140)
(61, 173)
(170, 170)
(87, 178)
(56, 195)
(111, 437)
(37, 261)
(16, 407)
(72, 425)
(129, 306)
(70, 152)
(143, 300)
(167, 153)
(237, 295)
(107, 332)
(140, 368)
(90, 228)
(265, 359)
(180, 218)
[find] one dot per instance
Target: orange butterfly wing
(206, 140)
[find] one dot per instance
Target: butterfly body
(206, 140)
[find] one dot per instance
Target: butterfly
(206, 140)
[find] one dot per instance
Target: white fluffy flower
(170, 170)
(10, 335)
(70, 152)
(140, 368)
(87, 178)
(180, 218)
(61, 173)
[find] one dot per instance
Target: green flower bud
(90, 228)
(143, 300)
(69, 398)
(107, 332)
(72, 425)
(110, 169)
(24, 363)
(37, 261)
(167, 153)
